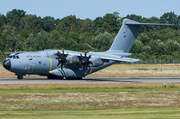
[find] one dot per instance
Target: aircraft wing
(104, 56)
(124, 59)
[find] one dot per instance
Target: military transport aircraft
(72, 64)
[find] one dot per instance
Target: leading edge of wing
(124, 59)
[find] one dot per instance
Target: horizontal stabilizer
(150, 24)
(123, 59)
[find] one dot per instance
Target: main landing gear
(67, 78)
(73, 78)
(54, 77)
(20, 77)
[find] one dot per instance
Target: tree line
(18, 30)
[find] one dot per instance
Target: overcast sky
(91, 8)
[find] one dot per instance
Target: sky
(91, 8)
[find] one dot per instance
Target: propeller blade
(61, 66)
(58, 64)
(85, 63)
(61, 59)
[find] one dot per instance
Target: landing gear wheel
(70, 78)
(19, 77)
(54, 77)
(79, 78)
(73, 78)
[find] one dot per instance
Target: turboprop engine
(96, 62)
(72, 59)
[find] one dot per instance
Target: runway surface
(91, 80)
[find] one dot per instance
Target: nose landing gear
(19, 76)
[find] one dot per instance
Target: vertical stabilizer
(126, 36)
(128, 33)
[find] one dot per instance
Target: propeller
(85, 62)
(62, 59)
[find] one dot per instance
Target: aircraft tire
(79, 78)
(73, 78)
(70, 78)
(19, 77)
(54, 77)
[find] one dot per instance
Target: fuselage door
(31, 67)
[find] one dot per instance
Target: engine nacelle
(72, 59)
(96, 62)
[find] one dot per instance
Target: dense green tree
(143, 38)
(169, 18)
(154, 47)
(40, 41)
(103, 41)
(86, 38)
(171, 46)
(135, 17)
(106, 27)
(98, 22)
(48, 23)
(13, 42)
(61, 28)
(75, 37)
(2, 20)
(29, 22)
(55, 34)
(112, 20)
(137, 47)
(87, 26)
(14, 16)
(31, 43)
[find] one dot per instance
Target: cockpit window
(13, 56)
(9, 57)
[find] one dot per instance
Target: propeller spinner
(62, 59)
(85, 62)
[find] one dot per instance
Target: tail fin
(127, 35)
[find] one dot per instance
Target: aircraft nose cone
(7, 64)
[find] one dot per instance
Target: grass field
(90, 100)
(123, 70)
(122, 113)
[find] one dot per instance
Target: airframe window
(9, 57)
(14, 57)
(17, 56)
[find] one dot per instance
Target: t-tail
(127, 35)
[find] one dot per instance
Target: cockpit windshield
(13, 56)
(9, 56)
